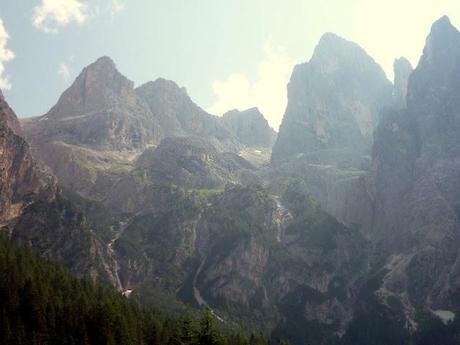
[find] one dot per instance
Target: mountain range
(343, 228)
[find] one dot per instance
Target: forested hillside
(41, 303)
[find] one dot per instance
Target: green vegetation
(87, 165)
(41, 303)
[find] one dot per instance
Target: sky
(228, 54)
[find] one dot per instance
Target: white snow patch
(445, 315)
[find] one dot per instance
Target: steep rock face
(333, 101)
(416, 181)
(194, 163)
(178, 115)
(402, 70)
(250, 127)
(22, 181)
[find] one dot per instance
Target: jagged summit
(99, 110)
(443, 24)
(100, 86)
(331, 42)
(333, 50)
(104, 60)
(438, 68)
(443, 41)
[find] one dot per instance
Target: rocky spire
(402, 70)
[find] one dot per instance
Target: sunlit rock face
(334, 101)
(415, 179)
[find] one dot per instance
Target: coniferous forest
(41, 303)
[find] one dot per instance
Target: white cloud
(405, 36)
(64, 71)
(268, 92)
(51, 15)
(5, 56)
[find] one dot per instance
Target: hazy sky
(227, 53)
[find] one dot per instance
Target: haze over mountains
(347, 234)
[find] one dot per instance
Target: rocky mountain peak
(179, 115)
(442, 26)
(402, 71)
(442, 42)
(104, 61)
(334, 52)
(439, 63)
(100, 86)
(334, 100)
(331, 44)
(250, 127)
(434, 84)
(164, 90)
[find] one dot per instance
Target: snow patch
(445, 315)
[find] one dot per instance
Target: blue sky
(227, 53)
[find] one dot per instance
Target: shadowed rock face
(250, 127)
(333, 101)
(415, 179)
(22, 181)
